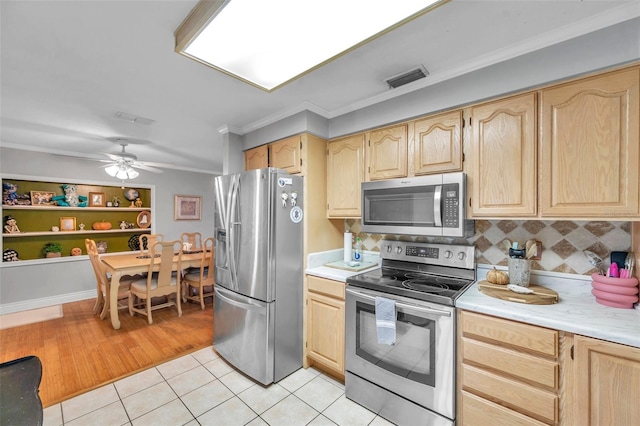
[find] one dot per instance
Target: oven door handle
(418, 308)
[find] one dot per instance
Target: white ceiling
(68, 66)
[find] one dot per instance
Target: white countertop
(576, 312)
(316, 262)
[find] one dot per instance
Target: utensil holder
(519, 271)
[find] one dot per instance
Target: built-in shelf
(85, 231)
(38, 221)
(93, 209)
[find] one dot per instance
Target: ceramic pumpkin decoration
(497, 277)
(76, 251)
(101, 226)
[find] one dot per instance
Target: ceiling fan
(121, 164)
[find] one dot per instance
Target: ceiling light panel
(269, 43)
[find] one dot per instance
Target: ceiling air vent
(407, 77)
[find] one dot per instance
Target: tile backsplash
(562, 241)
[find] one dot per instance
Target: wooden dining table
(138, 263)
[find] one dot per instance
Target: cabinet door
(607, 383)
(325, 331)
(256, 158)
(437, 145)
(345, 173)
(286, 154)
(589, 147)
(503, 175)
(387, 152)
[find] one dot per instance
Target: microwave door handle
(404, 305)
(437, 202)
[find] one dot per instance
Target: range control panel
(455, 255)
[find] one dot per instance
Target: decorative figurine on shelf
(81, 226)
(131, 195)
(123, 225)
(10, 196)
(71, 198)
(55, 229)
(76, 251)
(138, 202)
(10, 225)
(102, 246)
(10, 255)
(115, 201)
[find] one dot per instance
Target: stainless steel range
(412, 381)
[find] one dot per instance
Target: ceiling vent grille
(133, 118)
(407, 77)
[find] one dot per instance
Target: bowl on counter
(615, 292)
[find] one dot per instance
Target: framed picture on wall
(67, 223)
(97, 199)
(187, 207)
(42, 198)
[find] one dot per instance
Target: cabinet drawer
(480, 412)
(522, 336)
(526, 399)
(329, 287)
(516, 364)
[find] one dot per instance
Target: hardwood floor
(80, 352)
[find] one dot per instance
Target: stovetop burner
(438, 276)
(424, 286)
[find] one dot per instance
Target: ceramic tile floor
(202, 389)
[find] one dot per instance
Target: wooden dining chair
(164, 282)
(193, 238)
(103, 282)
(147, 240)
(202, 279)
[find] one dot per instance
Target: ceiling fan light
(122, 171)
(112, 170)
(132, 173)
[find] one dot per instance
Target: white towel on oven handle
(386, 321)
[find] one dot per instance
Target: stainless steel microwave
(432, 205)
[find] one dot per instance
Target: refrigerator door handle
(228, 298)
(231, 246)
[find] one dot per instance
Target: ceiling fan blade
(154, 164)
(145, 167)
(114, 157)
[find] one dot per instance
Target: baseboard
(30, 317)
(28, 305)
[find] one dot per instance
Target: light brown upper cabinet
(589, 147)
(503, 155)
(256, 158)
(437, 144)
(387, 152)
(286, 154)
(345, 173)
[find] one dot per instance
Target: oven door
(420, 366)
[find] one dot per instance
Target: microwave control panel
(451, 205)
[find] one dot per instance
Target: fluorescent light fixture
(121, 171)
(270, 43)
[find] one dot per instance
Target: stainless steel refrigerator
(257, 321)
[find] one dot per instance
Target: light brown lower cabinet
(510, 373)
(325, 325)
(607, 383)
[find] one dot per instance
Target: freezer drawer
(243, 333)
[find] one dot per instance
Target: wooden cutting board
(542, 296)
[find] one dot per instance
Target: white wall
(30, 286)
